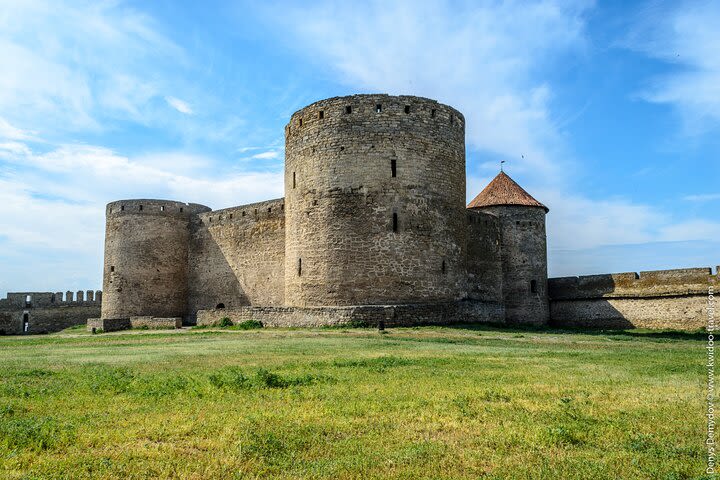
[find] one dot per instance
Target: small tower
(523, 249)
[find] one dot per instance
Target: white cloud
(102, 61)
(686, 36)
(480, 58)
(272, 154)
(707, 197)
(179, 105)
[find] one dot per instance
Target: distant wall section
(674, 299)
(47, 312)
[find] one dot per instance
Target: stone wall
(523, 249)
(116, 324)
(484, 264)
(375, 202)
(369, 315)
(47, 312)
(237, 257)
(676, 299)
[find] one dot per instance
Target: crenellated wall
(46, 312)
(676, 299)
(237, 257)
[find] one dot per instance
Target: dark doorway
(26, 322)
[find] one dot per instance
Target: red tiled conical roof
(504, 191)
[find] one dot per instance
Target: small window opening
(112, 268)
(52, 298)
(301, 122)
(342, 148)
(26, 322)
(28, 300)
(181, 209)
(452, 119)
(269, 209)
(162, 208)
(407, 108)
(256, 211)
(321, 114)
(393, 167)
(395, 222)
(378, 108)
(282, 207)
(220, 305)
(231, 216)
(348, 109)
(443, 268)
(517, 223)
(432, 113)
(294, 182)
(299, 266)
(533, 286)
(141, 208)
(243, 213)
(210, 219)
(122, 208)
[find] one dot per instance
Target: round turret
(375, 188)
(146, 258)
(523, 249)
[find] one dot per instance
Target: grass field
(330, 403)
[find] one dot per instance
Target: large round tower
(375, 188)
(146, 258)
(523, 249)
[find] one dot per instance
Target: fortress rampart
(46, 312)
(375, 202)
(373, 227)
(237, 257)
(676, 299)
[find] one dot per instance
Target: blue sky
(609, 113)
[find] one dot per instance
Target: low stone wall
(370, 315)
(664, 299)
(115, 324)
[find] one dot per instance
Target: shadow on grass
(633, 333)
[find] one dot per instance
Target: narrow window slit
(393, 167)
(395, 222)
(299, 266)
(321, 114)
(348, 109)
(378, 108)
(407, 109)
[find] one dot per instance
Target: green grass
(351, 403)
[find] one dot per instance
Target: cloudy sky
(608, 114)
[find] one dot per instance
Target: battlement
(168, 208)
(244, 214)
(366, 108)
(28, 300)
(657, 283)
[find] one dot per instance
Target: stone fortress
(373, 228)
